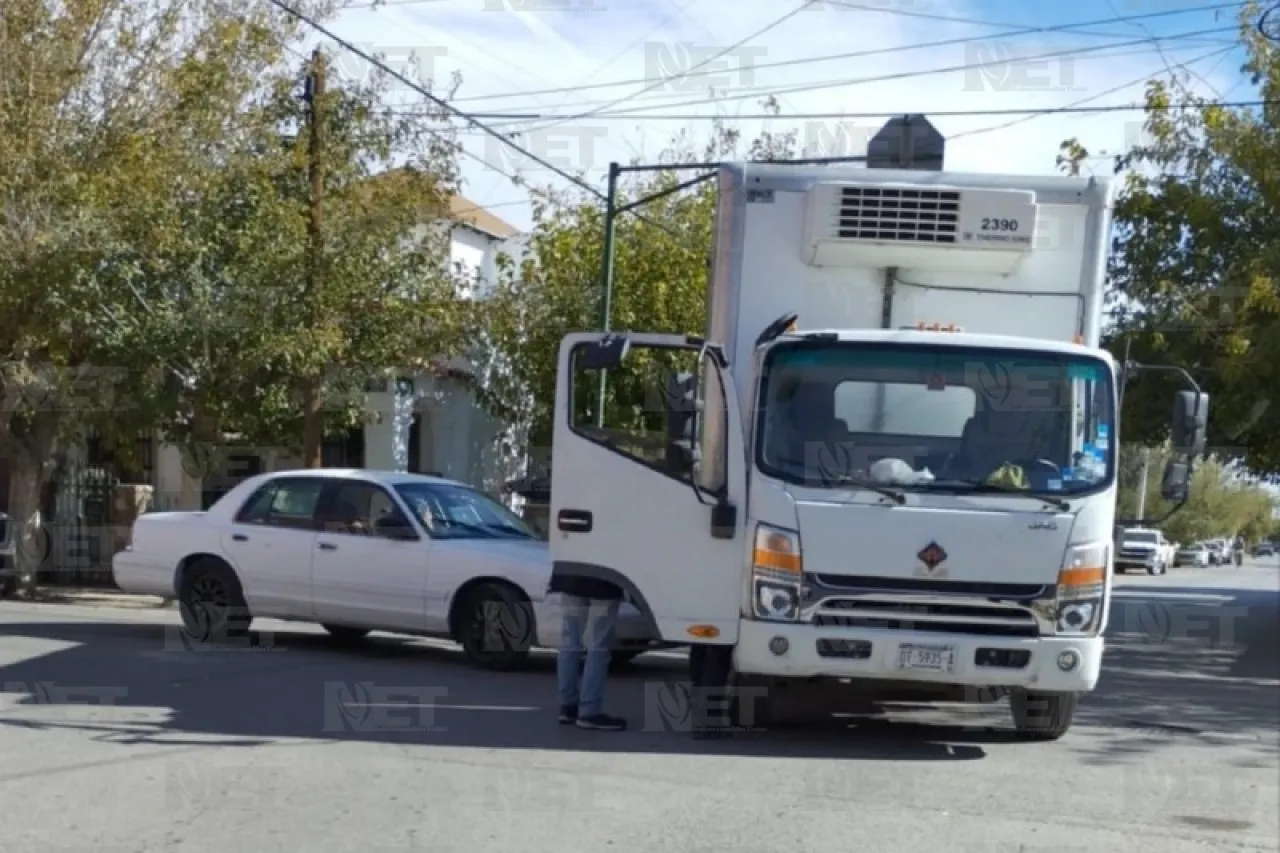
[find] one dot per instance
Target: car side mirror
(394, 527)
(1176, 481)
(1190, 425)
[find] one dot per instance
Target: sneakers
(603, 723)
(568, 715)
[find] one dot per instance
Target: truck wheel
(496, 628)
(1042, 716)
(212, 603)
(345, 635)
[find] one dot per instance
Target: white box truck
(901, 468)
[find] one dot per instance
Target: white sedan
(360, 551)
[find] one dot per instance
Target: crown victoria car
(359, 551)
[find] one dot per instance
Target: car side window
(355, 508)
(258, 507)
(294, 504)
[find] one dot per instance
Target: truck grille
(994, 610)
(899, 214)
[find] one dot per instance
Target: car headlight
(777, 573)
(1081, 588)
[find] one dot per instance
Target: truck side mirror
(1190, 423)
(1176, 481)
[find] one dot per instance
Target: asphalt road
(115, 737)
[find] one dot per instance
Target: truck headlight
(777, 573)
(1081, 588)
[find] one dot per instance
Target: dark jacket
(596, 589)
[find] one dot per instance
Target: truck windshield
(936, 418)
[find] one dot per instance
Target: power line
(1032, 112)
(472, 122)
(653, 84)
(881, 78)
(1078, 106)
(1014, 31)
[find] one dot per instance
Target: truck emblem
(1043, 525)
(932, 555)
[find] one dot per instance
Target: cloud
(508, 52)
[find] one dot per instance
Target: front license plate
(927, 658)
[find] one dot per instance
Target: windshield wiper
(980, 486)
(894, 495)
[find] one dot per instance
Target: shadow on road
(304, 685)
(1175, 668)
(1188, 662)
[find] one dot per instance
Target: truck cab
(889, 463)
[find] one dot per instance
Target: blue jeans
(586, 629)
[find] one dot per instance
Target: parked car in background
(1141, 548)
(359, 551)
(1264, 549)
(1195, 556)
(1219, 552)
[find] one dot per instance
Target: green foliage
(1194, 276)
(1219, 504)
(660, 279)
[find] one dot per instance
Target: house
(430, 422)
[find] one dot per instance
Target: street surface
(114, 737)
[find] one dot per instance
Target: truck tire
(212, 603)
(1042, 716)
(496, 627)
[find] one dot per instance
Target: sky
(568, 58)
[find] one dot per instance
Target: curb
(98, 598)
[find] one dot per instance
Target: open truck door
(648, 490)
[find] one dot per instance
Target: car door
(361, 577)
(625, 506)
(271, 541)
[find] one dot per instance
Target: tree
(660, 277)
(97, 101)
(266, 331)
(1193, 278)
(1219, 503)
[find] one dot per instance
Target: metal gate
(78, 535)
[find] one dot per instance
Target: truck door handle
(239, 537)
(327, 546)
(574, 521)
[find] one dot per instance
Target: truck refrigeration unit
(901, 476)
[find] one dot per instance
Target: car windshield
(936, 418)
(1141, 536)
(450, 511)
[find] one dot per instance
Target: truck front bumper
(819, 651)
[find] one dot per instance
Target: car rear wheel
(496, 627)
(211, 603)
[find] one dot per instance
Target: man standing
(590, 613)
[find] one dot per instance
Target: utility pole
(313, 410)
(1142, 485)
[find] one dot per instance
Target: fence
(77, 542)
